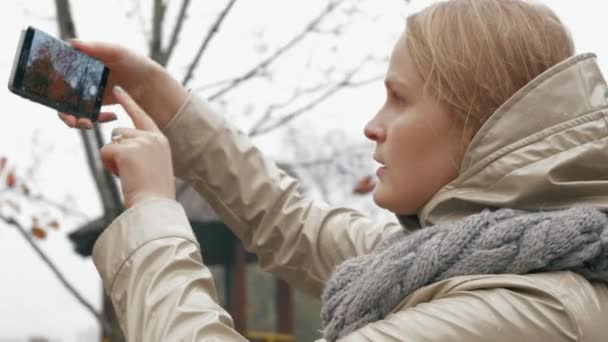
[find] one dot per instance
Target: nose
(374, 130)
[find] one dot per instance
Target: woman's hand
(140, 156)
(145, 80)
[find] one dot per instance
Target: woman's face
(418, 142)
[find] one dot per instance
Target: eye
(395, 98)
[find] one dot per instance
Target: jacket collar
(544, 148)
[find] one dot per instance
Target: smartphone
(49, 71)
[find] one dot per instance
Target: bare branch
(266, 62)
(107, 187)
(329, 160)
(64, 19)
(285, 118)
(66, 210)
(210, 34)
(105, 325)
(365, 82)
(276, 106)
(213, 84)
(136, 11)
(176, 31)
(292, 115)
(158, 16)
(38, 158)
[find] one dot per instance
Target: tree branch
(158, 16)
(327, 161)
(64, 19)
(275, 106)
(92, 139)
(175, 34)
(210, 34)
(99, 317)
(285, 118)
(213, 84)
(365, 82)
(65, 209)
(136, 11)
(266, 62)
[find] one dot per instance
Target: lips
(377, 159)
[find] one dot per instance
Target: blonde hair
(475, 54)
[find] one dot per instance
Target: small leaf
(365, 185)
(38, 233)
(54, 225)
(16, 207)
(11, 180)
(25, 189)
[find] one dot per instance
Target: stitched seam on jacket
(606, 121)
(122, 264)
(452, 188)
(526, 90)
(458, 192)
(542, 159)
(544, 134)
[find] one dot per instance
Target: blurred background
(300, 77)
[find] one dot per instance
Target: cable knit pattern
(365, 289)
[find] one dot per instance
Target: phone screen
(59, 76)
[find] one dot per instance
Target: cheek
(422, 161)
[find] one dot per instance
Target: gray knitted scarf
(365, 289)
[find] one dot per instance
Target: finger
(69, 120)
(106, 117)
(84, 123)
(108, 157)
(126, 133)
(141, 120)
(105, 52)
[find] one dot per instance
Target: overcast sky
(31, 300)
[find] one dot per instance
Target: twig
(102, 321)
(176, 30)
(328, 160)
(346, 82)
(275, 106)
(266, 62)
(366, 81)
(65, 209)
(158, 17)
(210, 34)
(213, 84)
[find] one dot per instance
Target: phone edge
(102, 88)
(16, 61)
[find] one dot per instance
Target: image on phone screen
(59, 76)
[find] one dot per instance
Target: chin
(389, 201)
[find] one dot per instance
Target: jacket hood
(544, 148)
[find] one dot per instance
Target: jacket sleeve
(498, 315)
(151, 267)
(296, 238)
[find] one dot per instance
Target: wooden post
(239, 290)
(284, 307)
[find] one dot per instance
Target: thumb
(108, 157)
(107, 53)
(141, 120)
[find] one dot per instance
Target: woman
(493, 136)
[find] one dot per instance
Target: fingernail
(119, 89)
(76, 41)
(83, 126)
